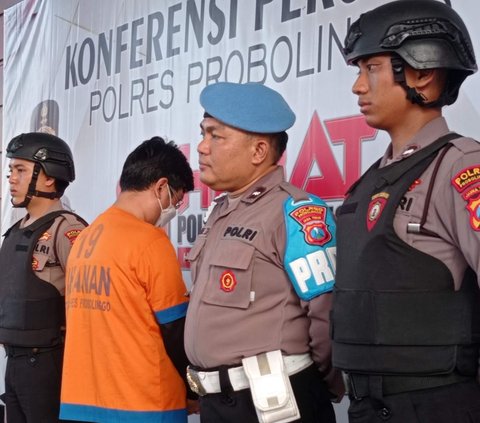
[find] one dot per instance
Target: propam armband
(310, 253)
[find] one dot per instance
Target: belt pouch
(270, 387)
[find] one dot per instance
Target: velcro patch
(466, 177)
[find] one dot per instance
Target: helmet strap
(398, 68)
(32, 191)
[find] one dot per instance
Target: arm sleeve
(166, 295)
(457, 206)
(172, 334)
(318, 308)
(321, 345)
(66, 234)
(164, 286)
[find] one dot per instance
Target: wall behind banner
(107, 75)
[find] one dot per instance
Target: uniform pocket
(230, 275)
(193, 255)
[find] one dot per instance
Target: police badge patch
(473, 207)
(375, 208)
(227, 281)
(312, 219)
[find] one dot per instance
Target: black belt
(360, 385)
(16, 351)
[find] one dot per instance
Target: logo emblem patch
(45, 237)
(466, 177)
(473, 207)
(228, 281)
(312, 219)
(375, 208)
(34, 264)
(72, 235)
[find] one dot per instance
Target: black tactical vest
(395, 309)
(32, 311)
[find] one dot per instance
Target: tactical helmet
(426, 34)
(50, 152)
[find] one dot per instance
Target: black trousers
(310, 391)
(32, 386)
(456, 403)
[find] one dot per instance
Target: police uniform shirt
(52, 249)
(242, 302)
(454, 209)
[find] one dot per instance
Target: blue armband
(310, 251)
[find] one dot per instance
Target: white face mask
(166, 215)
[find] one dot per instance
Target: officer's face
(382, 101)
(225, 156)
(19, 179)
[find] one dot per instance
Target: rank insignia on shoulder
(256, 193)
(228, 281)
(72, 235)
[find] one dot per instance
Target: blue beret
(252, 107)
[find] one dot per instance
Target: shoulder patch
(310, 249)
(72, 235)
(473, 207)
(466, 177)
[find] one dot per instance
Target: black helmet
(426, 34)
(51, 152)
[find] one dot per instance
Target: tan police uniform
(242, 302)
(52, 249)
(453, 212)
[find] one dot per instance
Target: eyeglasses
(177, 204)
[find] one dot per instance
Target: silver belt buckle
(194, 382)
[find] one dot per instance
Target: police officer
(32, 281)
(406, 310)
(262, 270)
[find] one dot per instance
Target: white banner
(106, 75)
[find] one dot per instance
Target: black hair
(279, 144)
(61, 186)
(154, 159)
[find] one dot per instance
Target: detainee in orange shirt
(126, 302)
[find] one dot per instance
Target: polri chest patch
(240, 232)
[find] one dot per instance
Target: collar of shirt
(57, 205)
(426, 136)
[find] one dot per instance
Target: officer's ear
(49, 182)
(428, 82)
(261, 149)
